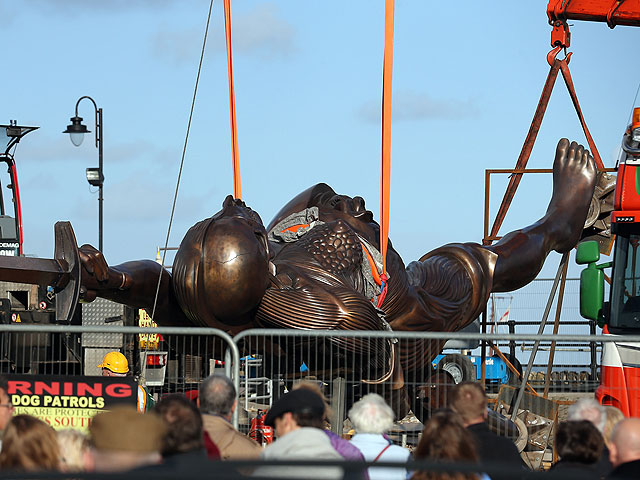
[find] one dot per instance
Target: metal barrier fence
(520, 312)
(165, 359)
(415, 379)
(406, 368)
(307, 469)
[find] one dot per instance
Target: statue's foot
(574, 179)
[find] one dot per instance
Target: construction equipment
(620, 316)
(620, 380)
(11, 218)
(22, 302)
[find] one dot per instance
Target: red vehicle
(620, 316)
(10, 210)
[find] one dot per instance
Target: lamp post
(95, 176)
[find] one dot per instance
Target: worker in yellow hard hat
(115, 364)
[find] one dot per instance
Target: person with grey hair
(372, 418)
(217, 402)
(589, 409)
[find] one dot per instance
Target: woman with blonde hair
(612, 416)
(74, 444)
(444, 439)
(29, 444)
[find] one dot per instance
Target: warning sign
(69, 402)
(148, 341)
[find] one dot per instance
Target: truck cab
(620, 315)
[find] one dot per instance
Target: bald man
(625, 449)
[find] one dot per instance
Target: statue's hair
(371, 414)
(197, 269)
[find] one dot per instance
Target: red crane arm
(613, 12)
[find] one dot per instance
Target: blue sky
(308, 80)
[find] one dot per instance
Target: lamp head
(76, 130)
(95, 177)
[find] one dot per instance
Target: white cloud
(410, 106)
(135, 200)
(59, 148)
(262, 32)
(178, 46)
(75, 7)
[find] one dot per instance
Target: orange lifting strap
(385, 171)
(237, 188)
(560, 39)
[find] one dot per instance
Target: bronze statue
(315, 267)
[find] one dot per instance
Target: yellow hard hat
(116, 362)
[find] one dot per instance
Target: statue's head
(221, 268)
(349, 209)
(333, 207)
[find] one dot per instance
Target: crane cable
(385, 169)
(557, 65)
(237, 187)
(184, 151)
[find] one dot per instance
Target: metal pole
(100, 198)
(556, 326)
(552, 294)
(483, 353)
(338, 404)
(512, 343)
(592, 347)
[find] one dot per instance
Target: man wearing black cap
(297, 419)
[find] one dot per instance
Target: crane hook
(551, 56)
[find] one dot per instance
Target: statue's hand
(97, 275)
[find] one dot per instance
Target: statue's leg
(521, 254)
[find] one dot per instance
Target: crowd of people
(189, 439)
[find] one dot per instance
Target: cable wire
(184, 150)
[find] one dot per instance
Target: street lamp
(95, 176)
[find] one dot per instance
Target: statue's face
(351, 210)
(234, 208)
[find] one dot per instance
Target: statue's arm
(131, 283)
(461, 276)
(521, 254)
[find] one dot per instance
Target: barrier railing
(415, 378)
(178, 361)
(407, 368)
(306, 469)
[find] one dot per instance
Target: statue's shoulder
(311, 197)
(457, 270)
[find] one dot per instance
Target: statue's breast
(330, 252)
(335, 246)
